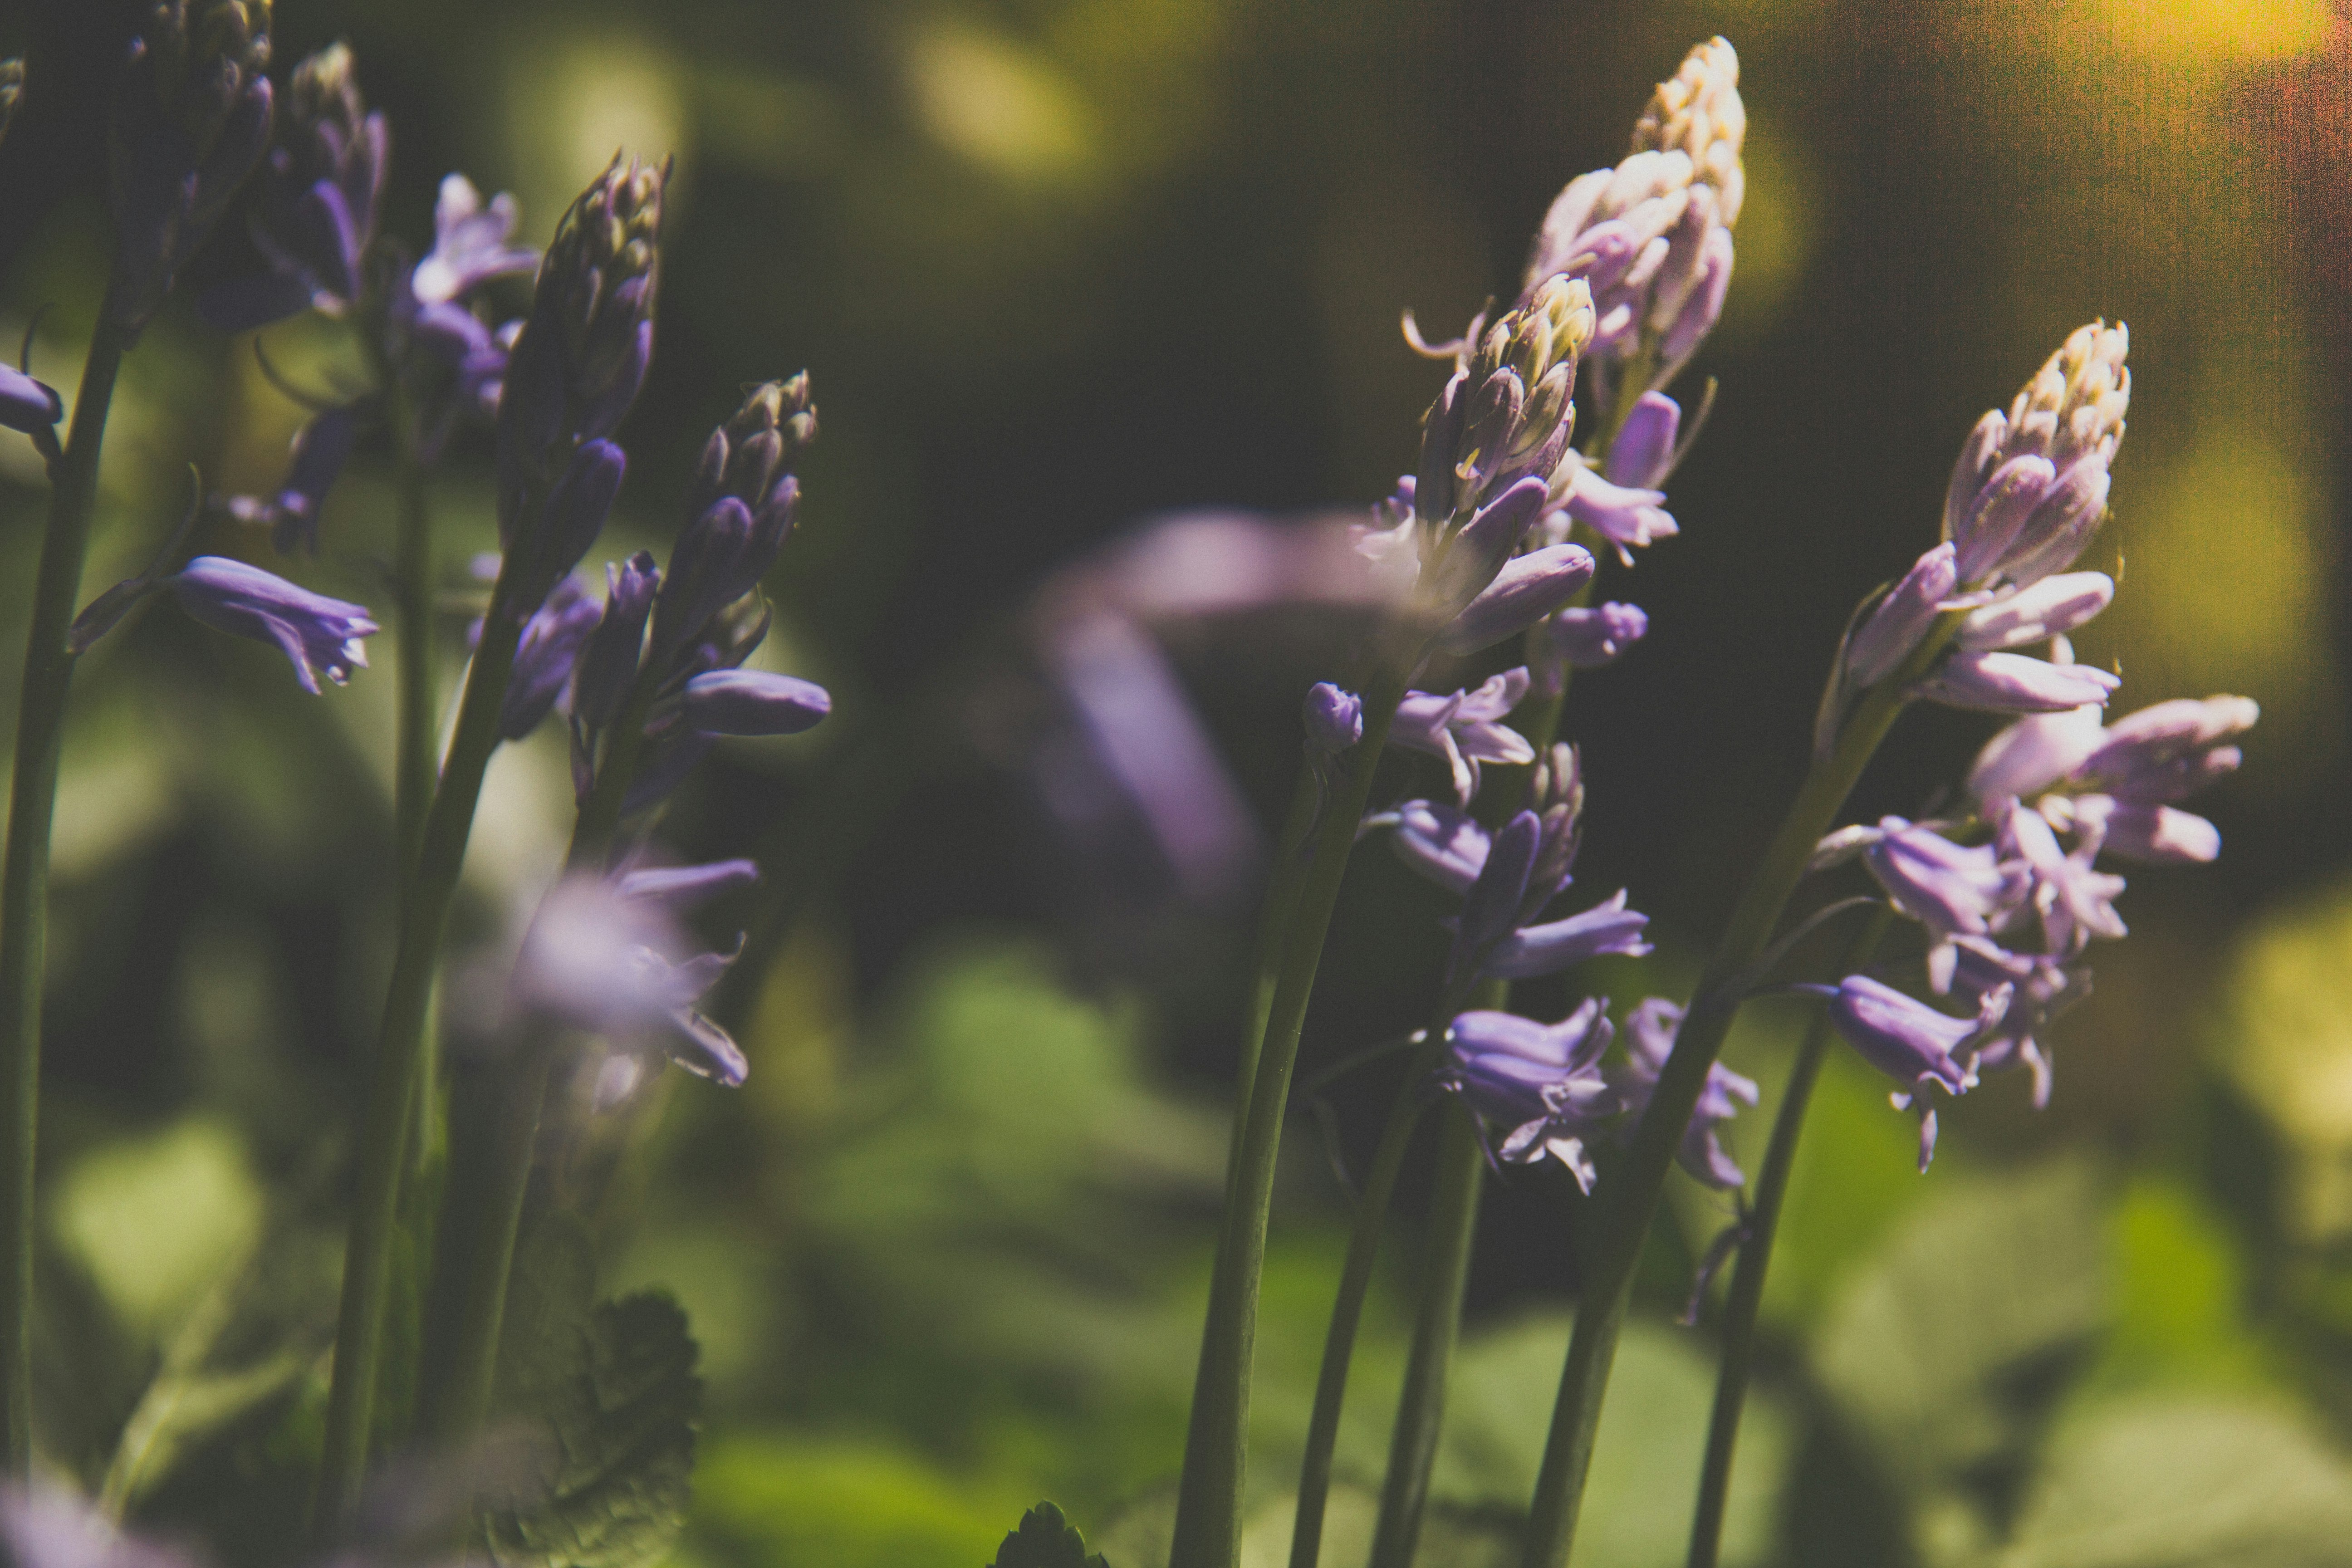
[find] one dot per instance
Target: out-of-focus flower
(2031, 486)
(316, 214)
(1332, 719)
(552, 641)
(751, 702)
(1465, 728)
(472, 244)
(2035, 752)
(27, 404)
(611, 961)
(1644, 453)
(321, 447)
(2050, 607)
(2075, 902)
(2170, 750)
(1586, 639)
(45, 1527)
(574, 515)
(2014, 683)
(191, 117)
(1952, 889)
(2039, 987)
(1540, 1085)
(1650, 1031)
(318, 634)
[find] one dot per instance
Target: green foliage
(1046, 1540)
(777, 1497)
(608, 1400)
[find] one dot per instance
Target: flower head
(320, 449)
(472, 244)
(1465, 728)
(1539, 1084)
(1506, 412)
(318, 634)
(1650, 1031)
(2031, 486)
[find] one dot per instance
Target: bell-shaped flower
(1950, 888)
(1901, 620)
(2169, 751)
(472, 244)
(1445, 845)
(1650, 1031)
(2074, 901)
(1607, 927)
(1540, 1085)
(2035, 752)
(1627, 517)
(1909, 1041)
(2014, 683)
(751, 702)
(1585, 638)
(1465, 728)
(318, 634)
(2143, 831)
(2040, 988)
(1525, 591)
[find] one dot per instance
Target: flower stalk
(25, 879)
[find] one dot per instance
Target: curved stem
(25, 881)
(424, 920)
(1412, 1444)
(1347, 1307)
(1288, 873)
(1747, 1293)
(1209, 1496)
(1638, 1183)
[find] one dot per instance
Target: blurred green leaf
(2169, 1482)
(154, 1220)
(2285, 1036)
(1937, 1352)
(1855, 1174)
(1046, 1540)
(2180, 1296)
(609, 1399)
(844, 1503)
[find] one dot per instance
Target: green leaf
(1046, 1540)
(2170, 1482)
(608, 1399)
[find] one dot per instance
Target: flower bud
(741, 505)
(2031, 486)
(1901, 620)
(191, 118)
(610, 663)
(2050, 607)
(1698, 112)
(2012, 683)
(318, 634)
(1525, 591)
(1334, 719)
(551, 647)
(1643, 453)
(753, 703)
(27, 404)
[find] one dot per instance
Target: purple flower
(1950, 890)
(1465, 728)
(753, 703)
(190, 119)
(46, 1527)
(1901, 620)
(1643, 453)
(611, 962)
(2139, 830)
(1650, 1032)
(2074, 901)
(1540, 1084)
(1586, 639)
(2035, 752)
(1471, 560)
(318, 634)
(2030, 488)
(572, 517)
(2169, 751)
(552, 641)
(1525, 591)
(1506, 412)
(1607, 927)
(470, 244)
(1334, 719)
(679, 889)
(584, 350)
(316, 214)
(2052, 607)
(1909, 1041)
(1442, 844)
(2040, 988)
(739, 506)
(610, 662)
(27, 404)
(1491, 907)
(320, 449)
(1628, 519)
(2012, 683)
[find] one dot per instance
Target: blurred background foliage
(1057, 264)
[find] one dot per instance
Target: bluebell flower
(2169, 751)
(1465, 728)
(551, 643)
(610, 663)
(318, 634)
(2074, 901)
(2040, 988)
(1527, 589)
(1901, 620)
(613, 963)
(1540, 1085)
(1951, 889)
(2052, 607)
(315, 215)
(1644, 453)
(1445, 845)
(2014, 683)
(27, 404)
(1911, 1042)
(1609, 927)
(1333, 718)
(190, 119)
(1468, 560)
(2031, 486)
(320, 449)
(1650, 1031)
(2140, 830)
(679, 889)
(739, 510)
(472, 244)
(751, 702)
(1490, 908)
(1629, 519)
(1585, 638)
(1505, 413)
(2035, 752)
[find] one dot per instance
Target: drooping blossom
(1650, 1030)
(545, 660)
(320, 449)
(318, 636)
(1585, 638)
(2014, 683)
(1909, 1041)
(1527, 589)
(1466, 727)
(1951, 889)
(2073, 900)
(1539, 1086)
(2040, 987)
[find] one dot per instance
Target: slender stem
(1347, 1307)
(1747, 1293)
(463, 1403)
(25, 881)
(1637, 1184)
(416, 766)
(600, 813)
(424, 920)
(1412, 1444)
(1288, 874)
(1209, 1496)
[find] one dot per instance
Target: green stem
(1747, 1293)
(463, 1406)
(1638, 1180)
(1288, 875)
(1209, 1496)
(1412, 1445)
(600, 813)
(1347, 1307)
(424, 920)
(415, 765)
(25, 881)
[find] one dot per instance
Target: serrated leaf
(1046, 1540)
(608, 1402)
